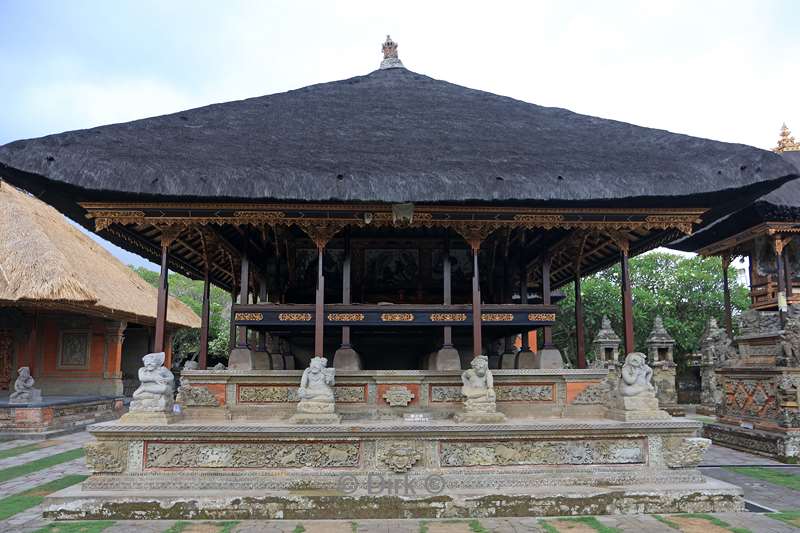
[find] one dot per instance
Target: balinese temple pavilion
(764, 231)
(391, 220)
(73, 314)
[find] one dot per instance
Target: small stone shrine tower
(659, 354)
(606, 346)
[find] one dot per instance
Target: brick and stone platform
(240, 457)
(56, 415)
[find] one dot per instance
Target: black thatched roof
(779, 205)
(390, 136)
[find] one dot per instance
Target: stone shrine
(606, 346)
(660, 345)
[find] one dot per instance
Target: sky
(725, 70)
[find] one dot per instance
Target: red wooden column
(319, 305)
(627, 296)
(477, 341)
(168, 235)
(447, 272)
(726, 295)
(579, 336)
(262, 297)
(547, 261)
(346, 286)
(244, 292)
(204, 319)
(779, 244)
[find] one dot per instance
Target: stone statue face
(24, 372)
(480, 365)
(153, 360)
(635, 360)
(317, 364)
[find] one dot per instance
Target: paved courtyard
(31, 469)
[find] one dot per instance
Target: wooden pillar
(319, 305)
(547, 330)
(580, 342)
(787, 270)
(232, 328)
(115, 335)
(205, 315)
(447, 273)
(477, 341)
(523, 299)
(263, 296)
(779, 243)
(726, 295)
(244, 291)
(346, 286)
(163, 296)
(627, 297)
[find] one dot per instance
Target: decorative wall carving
(288, 394)
(73, 351)
(195, 395)
(503, 393)
(294, 317)
(543, 317)
(687, 453)
(398, 396)
(397, 317)
(252, 455)
(248, 316)
(448, 317)
(346, 317)
(445, 393)
(497, 317)
(541, 452)
(399, 456)
(597, 393)
(106, 456)
(749, 397)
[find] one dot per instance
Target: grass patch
(40, 464)
(354, 527)
(476, 527)
(664, 520)
(790, 517)
(547, 527)
(94, 526)
(423, 527)
(590, 521)
(772, 475)
(298, 528)
(16, 503)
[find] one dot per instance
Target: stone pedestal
(277, 362)
(262, 361)
(288, 362)
(508, 361)
(446, 358)
(526, 359)
(242, 359)
(548, 358)
(346, 358)
(474, 417)
(149, 418)
(630, 408)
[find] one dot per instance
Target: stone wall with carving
(541, 452)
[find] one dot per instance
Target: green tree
(685, 292)
(186, 342)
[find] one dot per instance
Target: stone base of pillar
(241, 359)
(549, 358)
(508, 360)
(446, 358)
(262, 361)
(276, 361)
(346, 358)
(288, 362)
(526, 359)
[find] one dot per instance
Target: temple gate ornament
(317, 403)
(660, 345)
(390, 59)
(478, 389)
(23, 388)
(786, 142)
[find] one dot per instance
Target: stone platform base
(782, 446)
(55, 416)
(315, 418)
(392, 499)
(479, 418)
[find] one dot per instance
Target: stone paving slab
(20, 484)
(61, 445)
(761, 492)
(719, 455)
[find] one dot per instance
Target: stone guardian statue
(635, 398)
(23, 388)
(478, 390)
(153, 401)
(317, 403)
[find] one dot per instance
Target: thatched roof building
(47, 263)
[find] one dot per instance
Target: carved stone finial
(390, 59)
(786, 142)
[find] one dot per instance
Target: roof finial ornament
(786, 143)
(390, 59)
